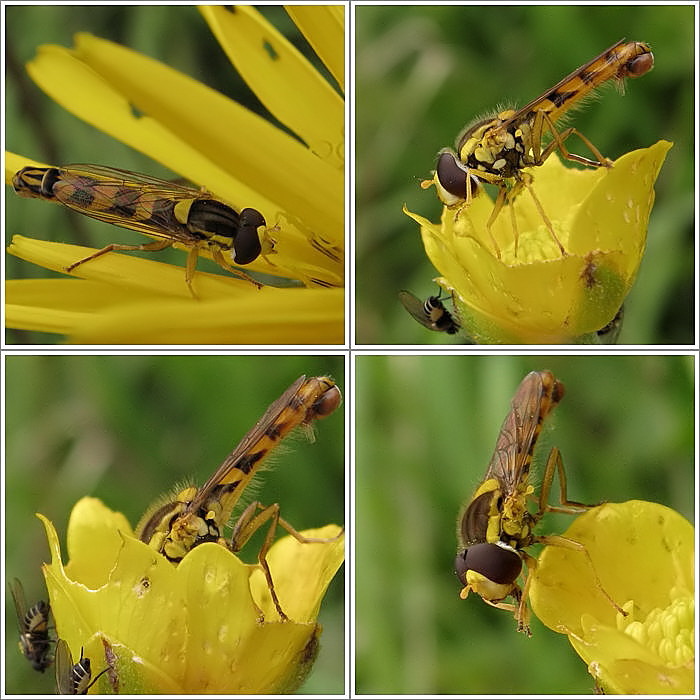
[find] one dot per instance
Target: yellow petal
(324, 28)
(286, 83)
(190, 628)
(539, 295)
(302, 572)
(642, 554)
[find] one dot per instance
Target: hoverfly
(495, 526)
(200, 515)
(73, 679)
(169, 212)
(430, 313)
(34, 640)
(496, 149)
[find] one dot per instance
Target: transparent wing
(17, 591)
(518, 433)
(416, 308)
(129, 177)
(64, 669)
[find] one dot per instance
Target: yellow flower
(207, 625)
(540, 296)
(297, 183)
(643, 554)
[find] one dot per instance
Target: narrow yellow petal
(324, 28)
(286, 83)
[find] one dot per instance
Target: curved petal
(324, 28)
(286, 83)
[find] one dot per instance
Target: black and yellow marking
(430, 313)
(73, 679)
(622, 60)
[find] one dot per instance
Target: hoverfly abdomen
(639, 65)
(430, 313)
(35, 182)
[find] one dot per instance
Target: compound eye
(451, 175)
(640, 65)
(327, 403)
(496, 563)
(247, 242)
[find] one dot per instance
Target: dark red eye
(452, 175)
(327, 403)
(639, 65)
(497, 564)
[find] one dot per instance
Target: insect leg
(497, 206)
(219, 258)
(566, 543)
(250, 521)
(527, 182)
(554, 461)
(523, 613)
(558, 143)
(155, 246)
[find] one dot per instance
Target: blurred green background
(125, 429)
(426, 428)
(424, 72)
(39, 128)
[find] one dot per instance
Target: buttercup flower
(239, 157)
(207, 625)
(539, 295)
(643, 555)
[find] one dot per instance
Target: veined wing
(536, 396)
(123, 198)
(129, 177)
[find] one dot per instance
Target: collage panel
(441, 475)
(93, 441)
(497, 201)
(175, 174)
